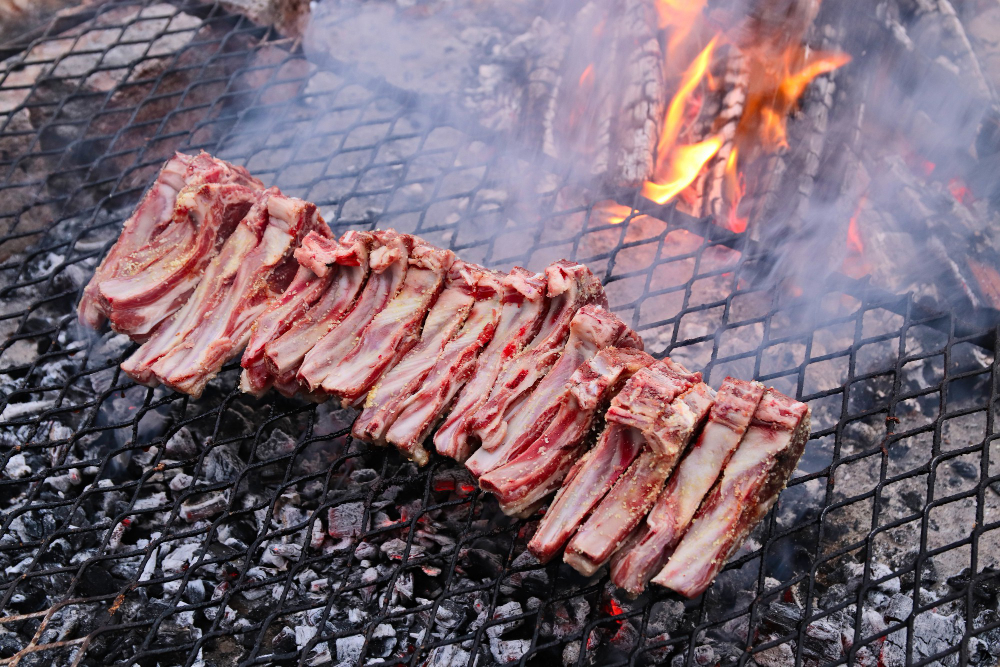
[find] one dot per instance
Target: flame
(685, 164)
(610, 212)
(675, 112)
(854, 242)
(736, 187)
(776, 84)
(587, 78)
(855, 264)
(682, 16)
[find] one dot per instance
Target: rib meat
(254, 265)
(750, 484)
(151, 232)
(153, 216)
(158, 278)
(421, 410)
(403, 380)
(320, 258)
(528, 479)
(633, 410)
(395, 329)
(570, 286)
(634, 493)
(389, 261)
(284, 353)
(522, 310)
(653, 542)
(591, 329)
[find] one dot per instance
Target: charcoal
(900, 607)
(783, 616)
(345, 520)
(349, 648)
(222, 464)
(482, 564)
(986, 588)
(571, 653)
(203, 506)
(278, 444)
(17, 465)
(449, 655)
(181, 445)
(569, 617)
(664, 617)
(506, 651)
(451, 615)
(284, 641)
(383, 641)
(822, 641)
(776, 656)
(704, 655)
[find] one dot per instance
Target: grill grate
(140, 527)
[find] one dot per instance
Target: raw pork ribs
(526, 378)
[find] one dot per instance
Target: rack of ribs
(528, 479)
(749, 486)
(653, 541)
(634, 409)
(522, 309)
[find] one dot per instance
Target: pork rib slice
(152, 219)
(254, 266)
(157, 279)
(444, 320)
(320, 259)
(633, 410)
(395, 329)
(653, 542)
(522, 310)
(418, 413)
(749, 486)
(389, 262)
(634, 493)
(569, 286)
(283, 354)
(528, 479)
(591, 329)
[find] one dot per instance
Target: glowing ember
(610, 212)
(684, 166)
(960, 191)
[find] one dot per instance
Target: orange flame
(776, 84)
(675, 112)
(587, 78)
(610, 212)
(855, 263)
(682, 16)
(736, 187)
(685, 164)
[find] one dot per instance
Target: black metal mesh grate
(140, 527)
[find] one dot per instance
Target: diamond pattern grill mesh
(140, 527)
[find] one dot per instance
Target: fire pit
(142, 527)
